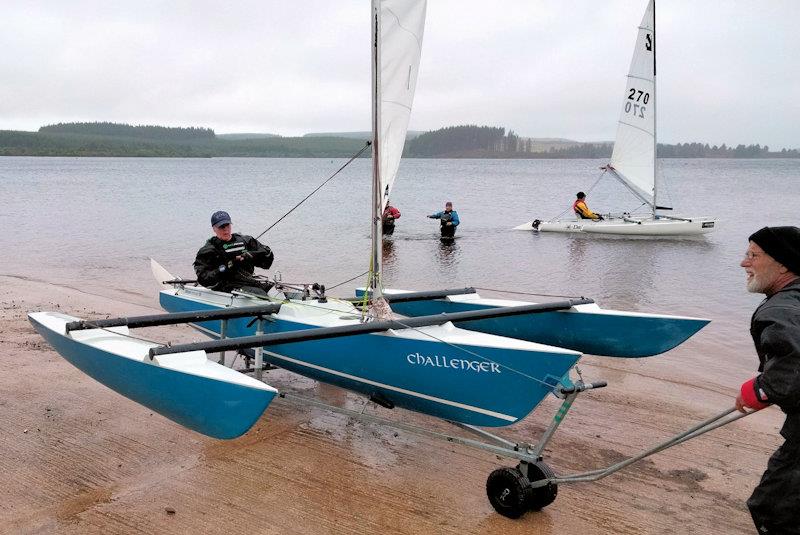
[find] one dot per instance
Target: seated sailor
(582, 210)
(227, 261)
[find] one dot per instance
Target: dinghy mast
(377, 213)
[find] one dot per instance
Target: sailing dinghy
(633, 161)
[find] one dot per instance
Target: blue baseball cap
(220, 218)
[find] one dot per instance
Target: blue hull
(608, 335)
(486, 386)
(208, 406)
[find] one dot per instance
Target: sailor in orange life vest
(581, 210)
(772, 265)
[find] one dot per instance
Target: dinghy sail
(633, 161)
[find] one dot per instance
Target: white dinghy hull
(626, 227)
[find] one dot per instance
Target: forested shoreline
(465, 141)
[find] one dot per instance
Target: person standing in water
(390, 214)
(448, 220)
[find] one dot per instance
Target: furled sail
(633, 159)
(402, 23)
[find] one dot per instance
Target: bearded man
(772, 265)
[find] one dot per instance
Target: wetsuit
(582, 211)
(775, 328)
(448, 222)
(389, 215)
(217, 266)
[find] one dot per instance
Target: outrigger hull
(440, 370)
(186, 388)
(622, 227)
(586, 328)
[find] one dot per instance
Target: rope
(528, 293)
(587, 192)
(348, 280)
(356, 155)
(108, 330)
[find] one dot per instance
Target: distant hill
(245, 136)
(465, 141)
(129, 131)
(411, 134)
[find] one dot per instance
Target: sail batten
(634, 155)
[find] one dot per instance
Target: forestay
(633, 159)
(402, 24)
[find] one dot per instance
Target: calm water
(94, 222)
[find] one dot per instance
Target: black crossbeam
(320, 333)
(426, 295)
(175, 317)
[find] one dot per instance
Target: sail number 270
(635, 97)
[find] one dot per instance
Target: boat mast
(655, 116)
(377, 229)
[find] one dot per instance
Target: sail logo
(648, 42)
(437, 361)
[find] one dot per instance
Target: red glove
(751, 398)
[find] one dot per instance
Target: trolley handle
(581, 387)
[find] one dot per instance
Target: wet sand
(79, 458)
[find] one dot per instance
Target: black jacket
(217, 266)
(775, 328)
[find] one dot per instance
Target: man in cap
(772, 265)
(448, 220)
(227, 261)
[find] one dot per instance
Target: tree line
(130, 131)
(465, 141)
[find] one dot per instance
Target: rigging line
(356, 155)
(528, 293)
(478, 356)
(108, 330)
(587, 191)
(348, 280)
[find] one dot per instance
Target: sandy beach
(79, 458)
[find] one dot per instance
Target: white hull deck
(631, 226)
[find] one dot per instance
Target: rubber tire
(541, 497)
(509, 492)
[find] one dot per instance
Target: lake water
(93, 223)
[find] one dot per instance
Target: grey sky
(727, 72)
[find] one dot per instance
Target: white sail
(402, 23)
(397, 28)
(633, 159)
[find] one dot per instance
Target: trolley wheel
(541, 497)
(509, 492)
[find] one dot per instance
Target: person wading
(448, 220)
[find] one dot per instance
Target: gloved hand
(750, 398)
(431, 217)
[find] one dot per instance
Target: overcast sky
(728, 70)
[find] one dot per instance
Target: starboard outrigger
(425, 364)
